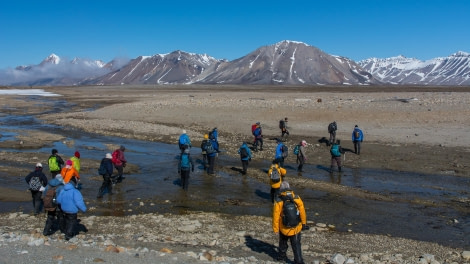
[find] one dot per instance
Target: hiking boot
(282, 258)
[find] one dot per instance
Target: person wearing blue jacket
(280, 155)
(357, 138)
(211, 154)
(53, 211)
(71, 200)
(245, 156)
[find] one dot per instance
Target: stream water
(155, 188)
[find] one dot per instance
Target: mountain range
(283, 63)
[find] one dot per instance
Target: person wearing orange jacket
(275, 180)
(289, 221)
(69, 173)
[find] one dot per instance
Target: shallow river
(156, 189)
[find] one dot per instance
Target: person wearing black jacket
(106, 170)
(36, 180)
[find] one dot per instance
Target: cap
(304, 142)
(54, 151)
(77, 154)
(108, 156)
(59, 178)
(184, 131)
(206, 136)
(38, 165)
(258, 123)
(68, 162)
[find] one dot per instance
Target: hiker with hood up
(245, 156)
(288, 222)
(36, 180)
(69, 173)
(71, 200)
(53, 189)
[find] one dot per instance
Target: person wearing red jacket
(119, 162)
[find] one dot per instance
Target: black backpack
(290, 214)
(243, 153)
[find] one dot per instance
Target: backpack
(53, 164)
(115, 159)
(275, 177)
(335, 150)
(290, 214)
(253, 128)
(243, 152)
(356, 134)
(282, 124)
(331, 128)
(285, 151)
(209, 148)
(296, 150)
(185, 163)
(50, 202)
(102, 170)
(35, 183)
(257, 132)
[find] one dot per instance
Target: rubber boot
(339, 168)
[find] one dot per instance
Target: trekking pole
(344, 156)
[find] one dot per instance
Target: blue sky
(102, 29)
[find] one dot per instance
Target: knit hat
(258, 123)
(206, 136)
(355, 126)
(284, 186)
(122, 148)
(184, 131)
(304, 143)
(68, 162)
(38, 165)
(77, 154)
(109, 156)
(59, 178)
(54, 151)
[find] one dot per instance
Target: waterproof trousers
(106, 185)
(184, 179)
(37, 201)
(51, 222)
(274, 193)
(70, 225)
(245, 166)
(295, 244)
(210, 169)
(357, 147)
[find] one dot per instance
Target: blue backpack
(185, 161)
(257, 131)
(335, 151)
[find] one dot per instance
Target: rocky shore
(436, 123)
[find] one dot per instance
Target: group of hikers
(62, 199)
(60, 196)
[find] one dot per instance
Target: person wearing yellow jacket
(276, 184)
(289, 228)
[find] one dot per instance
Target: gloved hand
(305, 227)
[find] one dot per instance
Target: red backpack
(115, 159)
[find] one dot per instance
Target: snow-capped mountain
(288, 62)
(283, 63)
(171, 68)
(452, 70)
